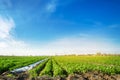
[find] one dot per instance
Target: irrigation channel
(29, 67)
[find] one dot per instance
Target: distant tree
(99, 53)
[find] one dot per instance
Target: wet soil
(14, 76)
(79, 76)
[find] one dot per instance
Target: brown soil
(15, 76)
(84, 76)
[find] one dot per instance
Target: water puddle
(26, 68)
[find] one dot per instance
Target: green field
(63, 65)
(77, 64)
(8, 63)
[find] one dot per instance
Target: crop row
(8, 63)
(65, 65)
(82, 64)
(49, 67)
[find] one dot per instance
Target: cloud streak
(84, 44)
(6, 26)
(114, 26)
(51, 6)
(6, 38)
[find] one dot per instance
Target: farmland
(8, 63)
(69, 67)
(106, 64)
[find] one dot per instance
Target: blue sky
(60, 25)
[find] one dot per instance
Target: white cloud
(78, 45)
(114, 26)
(6, 25)
(6, 38)
(51, 6)
(84, 43)
(3, 45)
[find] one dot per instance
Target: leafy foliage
(82, 64)
(48, 69)
(8, 63)
(35, 72)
